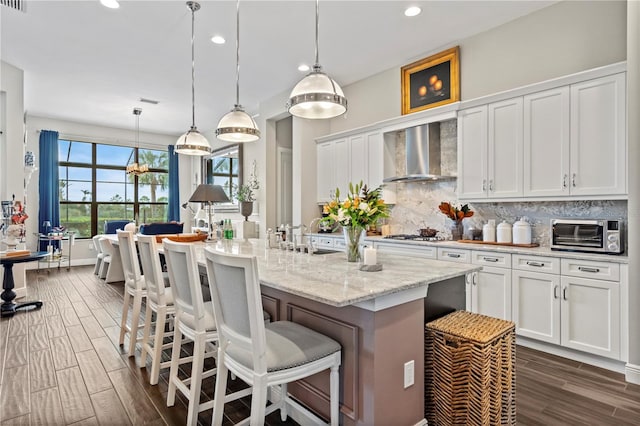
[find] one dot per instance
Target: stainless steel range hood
(423, 159)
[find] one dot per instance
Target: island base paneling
(375, 347)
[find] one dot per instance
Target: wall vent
(15, 4)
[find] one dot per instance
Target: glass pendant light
(317, 95)
(135, 168)
(192, 142)
(237, 125)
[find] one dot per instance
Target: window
(224, 168)
(94, 186)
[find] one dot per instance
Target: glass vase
(352, 239)
(456, 230)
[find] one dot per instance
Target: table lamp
(206, 193)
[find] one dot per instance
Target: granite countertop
(330, 279)
(537, 251)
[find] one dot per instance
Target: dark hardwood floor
(62, 365)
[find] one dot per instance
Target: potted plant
(245, 193)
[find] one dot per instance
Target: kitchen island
(378, 318)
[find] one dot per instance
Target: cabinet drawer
(591, 269)
(490, 258)
(339, 243)
(454, 255)
(550, 265)
(406, 249)
(322, 242)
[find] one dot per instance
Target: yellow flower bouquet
(361, 207)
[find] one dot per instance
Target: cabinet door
(358, 156)
(598, 136)
(379, 154)
(491, 293)
(505, 149)
(472, 153)
(591, 316)
(342, 163)
(536, 305)
(325, 179)
(546, 143)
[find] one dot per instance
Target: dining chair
(107, 251)
(99, 256)
(260, 354)
(160, 302)
(193, 319)
(135, 289)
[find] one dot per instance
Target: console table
(8, 307)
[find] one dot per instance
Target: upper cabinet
(359, 157)
(568, 141)
(598, 136)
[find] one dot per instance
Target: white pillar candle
(370, 256)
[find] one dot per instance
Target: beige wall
(561, 39)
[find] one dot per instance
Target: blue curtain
(49, 187)
(173, 209)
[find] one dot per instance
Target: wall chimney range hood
(423, 160)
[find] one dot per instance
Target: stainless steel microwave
(588, 235)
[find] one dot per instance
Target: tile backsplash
(417, 203)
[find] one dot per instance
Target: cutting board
(499, 244)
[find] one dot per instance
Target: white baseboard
(422, 422)
(20, 292)
(632, 373)
(598, 361)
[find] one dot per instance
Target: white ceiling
(86, 63)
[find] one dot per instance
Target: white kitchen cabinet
(569, 309)
(454, 255)
(428, 252)
(590, 316)
(598, 136)
(490, 151)
(333, 168)
(491, 287)
(569, 141)
(536, 305)
(360, 157)
(546, 143)
(472, 153)
(325, 182)
(505, 149)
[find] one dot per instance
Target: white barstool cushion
(288, 345)
(209, 322)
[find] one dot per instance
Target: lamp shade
(237, 126)
(193, 143)
(317, 96)
(206, 193)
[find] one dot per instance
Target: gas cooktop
(413, 237)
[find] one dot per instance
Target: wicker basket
(470, 370)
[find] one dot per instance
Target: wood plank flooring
(62, 365)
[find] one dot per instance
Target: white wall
(11, 151)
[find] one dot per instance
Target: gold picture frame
(431, 82)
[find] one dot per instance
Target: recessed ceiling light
(412, 11)
(218, 39)
(111, 4)
(303, 68)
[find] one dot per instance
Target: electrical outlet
(91, 247)
(409, 373)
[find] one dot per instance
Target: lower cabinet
(491, 287)
(566, 308)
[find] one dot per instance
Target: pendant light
(237, 125)
(135, 168)
(317, 95)
(192, 142)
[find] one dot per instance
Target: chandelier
(135, 168)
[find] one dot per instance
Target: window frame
(94, 166)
